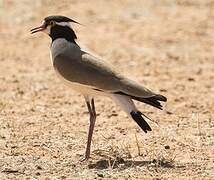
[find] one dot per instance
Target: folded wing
(86, 69)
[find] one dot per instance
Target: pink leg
(92, 112)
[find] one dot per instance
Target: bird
(91, 76)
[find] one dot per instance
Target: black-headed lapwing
(91, 76)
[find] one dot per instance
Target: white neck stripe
(63, 24)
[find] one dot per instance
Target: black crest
(59, 18)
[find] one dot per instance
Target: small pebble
(167, 147)
(100, 175)
(39, 167)
(38, 174)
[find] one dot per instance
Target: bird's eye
(52, 23)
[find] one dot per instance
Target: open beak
(42, 27)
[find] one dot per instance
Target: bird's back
(78, 66)
(81, 67)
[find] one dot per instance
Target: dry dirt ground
(167, 45)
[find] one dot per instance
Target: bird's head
(57, 27)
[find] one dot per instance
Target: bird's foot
(84, 159)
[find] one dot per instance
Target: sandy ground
(167, 45)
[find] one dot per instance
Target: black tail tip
(160, 97)
(137, 116)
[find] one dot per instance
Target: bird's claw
(84, 159)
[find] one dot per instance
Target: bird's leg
(92, 112)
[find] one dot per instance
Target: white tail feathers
(125, 103)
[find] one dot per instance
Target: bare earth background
(167, 45)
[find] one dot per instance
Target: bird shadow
(120, 163)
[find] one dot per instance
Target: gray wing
(86, 69)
